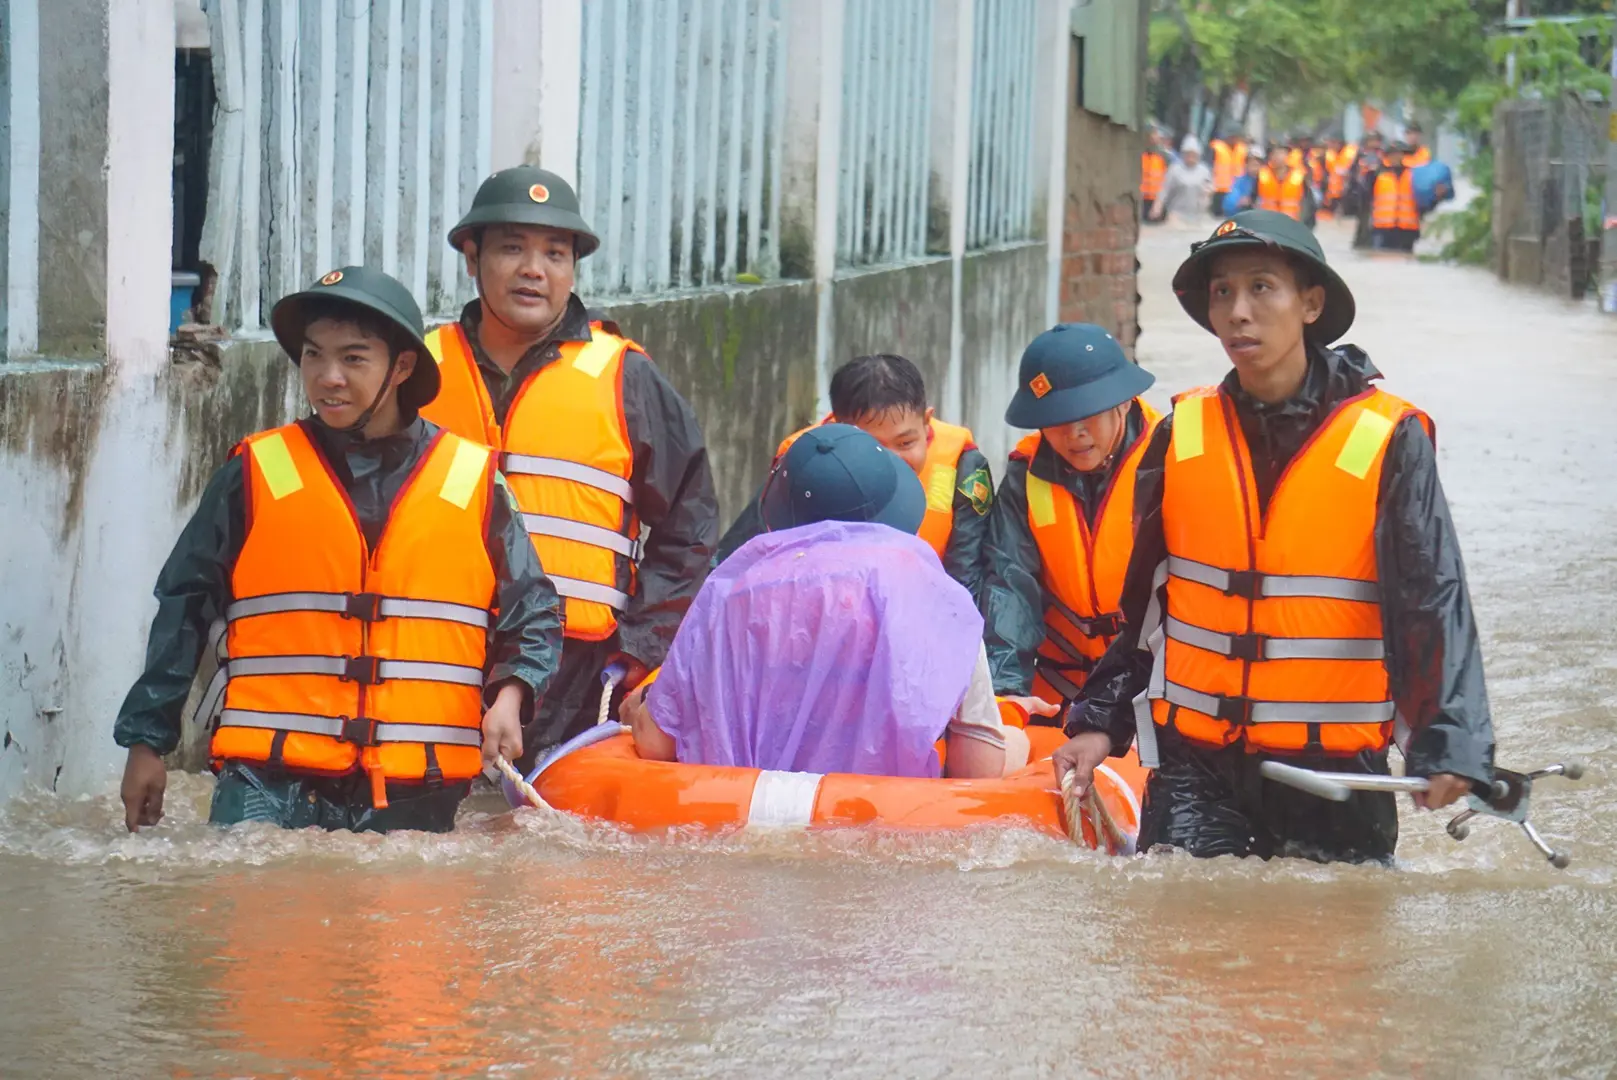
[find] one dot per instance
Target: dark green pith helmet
(375, 292)
(1266, 228)
(1071, 372)
(525, 195)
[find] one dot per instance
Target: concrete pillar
(828, 21)
(1608, 233)
(535, 84)
(128, 493)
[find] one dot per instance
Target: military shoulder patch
(978, 490)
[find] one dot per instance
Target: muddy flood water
(524, 945)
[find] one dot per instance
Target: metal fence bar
(357, 159)
(882, 129)
(777, 60)
(485, 89)
(589, 140)
(284, 229)
(393, 93)
(923, 120)
(762, 34)
(642, 173)
(687, 206)
(449, 194)
(325, 154)
(421, 178)
(710, 224)
(662, 240)
(252, 26)
(614, 185)
(738, 100)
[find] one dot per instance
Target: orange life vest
(567, 456)
(1285, 196)
(1422, 155)
(1340, 168)
(1083, 567)
(343, 657)
(1223, 165)
(1153, 170)
(1394, 206)
(463, 404)
(939, 475)
(1273, 628)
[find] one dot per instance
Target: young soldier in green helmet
(604, 456)
(385, 621)
(1296, 589)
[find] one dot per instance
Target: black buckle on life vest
(365, 606)
(1103, 625)
(365, 670)
(358, 730)
(1234, 710)
(1248, 646)
(1243, 583)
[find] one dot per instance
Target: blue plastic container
(182, 291)
(1433, 183)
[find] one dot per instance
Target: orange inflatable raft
(608, 781)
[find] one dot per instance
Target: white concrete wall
(100, 464)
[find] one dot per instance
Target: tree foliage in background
(1551, 61)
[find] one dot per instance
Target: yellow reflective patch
(276, 466)
(940, 487)
(1041, 502)
(1369, 433)
(593, 358)
(1187, 428)
(464, 473)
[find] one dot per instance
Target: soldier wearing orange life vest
(385, 622)
(603, 455)
(1295, 589)
(885, 396)
(1394, 213)
(1282, 186)
(1062, 526)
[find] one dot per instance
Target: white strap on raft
(783, 800)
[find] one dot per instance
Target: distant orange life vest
(1273, 624)
(1340, 168)
(1082, 567)
(1285, 196)
(1422, 155)
(1394, 205)
(344, 657)
(1223, 165)
(939, 475)
(1153, 170)
(567, 456)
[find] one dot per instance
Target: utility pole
(1608, 232)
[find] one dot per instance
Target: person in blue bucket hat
(833, 642)
(1060, 533)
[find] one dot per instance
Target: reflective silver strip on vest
(562, 469)
(1277, 585)
(1287, 712)
(576, 589)
(337, 603)
(1085, 625)
(594, 535)
(386, 670)
(1279, 648)
(332, 727)
(1059, 682)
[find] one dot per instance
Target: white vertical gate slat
(449, 193)
(326, 134)
(419, 180)
(759, 98)
(662, 240)
(643, 199)
(252, 159)
(614, 188)
(359, 98)
(687, 206)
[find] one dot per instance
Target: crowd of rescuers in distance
(1388, 186)
(435, 566)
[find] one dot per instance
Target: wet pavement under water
(525, 945)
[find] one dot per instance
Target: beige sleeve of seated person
(978, 717)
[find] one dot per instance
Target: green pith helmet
(1257, 229)
(525, 195)
(1070, 372)
(375, 292)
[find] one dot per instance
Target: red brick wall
(1098, 283)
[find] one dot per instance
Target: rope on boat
(525, 789)
(1108, 836)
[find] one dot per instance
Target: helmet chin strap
(358, 426)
